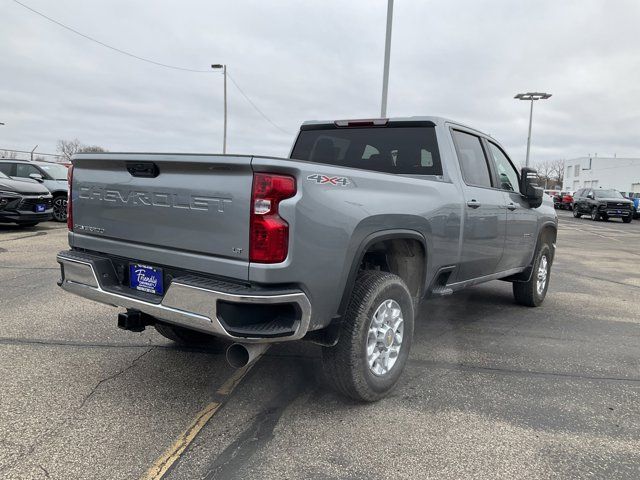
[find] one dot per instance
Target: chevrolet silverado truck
(336, 244)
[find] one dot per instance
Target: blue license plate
(145, 278)
(41, 207)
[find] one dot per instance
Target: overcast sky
(301, 60)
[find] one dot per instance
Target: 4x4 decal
(338, 181)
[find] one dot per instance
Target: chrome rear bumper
(183, 304)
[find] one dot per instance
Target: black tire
(27, 225)
(576, 212)
(627, 219)
(604, 218)
(526, 293)
(595, 216)
(346, 365)
(186, 337)
(60, 208)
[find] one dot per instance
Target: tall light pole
(387, 55)
(224, 74)
(532, 96)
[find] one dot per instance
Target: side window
(475, 169)
(507, 174)
(6, 168)
(576, 171)
(24, 170)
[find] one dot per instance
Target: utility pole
(34, 149)
(224, 135)
(387, 55)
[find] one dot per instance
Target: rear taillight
(269, 237)
(69, 198)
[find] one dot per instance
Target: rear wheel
(187, 337)
(375, 338)
(60, 208)
(533, 292)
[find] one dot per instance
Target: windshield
(394, 149)
(607, 194)
(55, 171)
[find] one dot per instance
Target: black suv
(24, 202)
(602, 204)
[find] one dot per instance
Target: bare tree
(545, 170)
(557, 170)
(68, 148)
(92, 149)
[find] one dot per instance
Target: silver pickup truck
(336, 244)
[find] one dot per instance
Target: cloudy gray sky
(297, 60)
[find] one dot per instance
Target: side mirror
(36, 176)
(529, 186)
(590, 196)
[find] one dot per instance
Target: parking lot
(492, 390)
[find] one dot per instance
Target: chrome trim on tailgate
(184, 305)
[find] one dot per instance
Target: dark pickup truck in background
(336, 244)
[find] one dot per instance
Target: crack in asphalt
(463, 366)
(36, 234)
(17, 267)
(74, 344)
(580, 274)
(46, 473)
(70, 415)
(111, 377)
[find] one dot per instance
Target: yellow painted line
(233, 381)
(172, 454)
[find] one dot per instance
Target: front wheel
(60, 208)
(595, 216)
(533, 292)
(576, 212)
(627, 219)
(375, 338)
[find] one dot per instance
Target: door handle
(473, 203)
(511, 206)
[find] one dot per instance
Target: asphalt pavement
(492, 389)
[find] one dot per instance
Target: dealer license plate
(146, 278)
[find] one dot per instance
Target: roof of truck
(418, 118)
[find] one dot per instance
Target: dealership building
(622, 174)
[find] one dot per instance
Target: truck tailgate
(176, 202)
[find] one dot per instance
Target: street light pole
(532, 96)
(526, 162)
(224, 74)
(387, 55)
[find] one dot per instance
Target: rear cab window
(397, 147)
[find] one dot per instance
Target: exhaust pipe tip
(240, 355)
